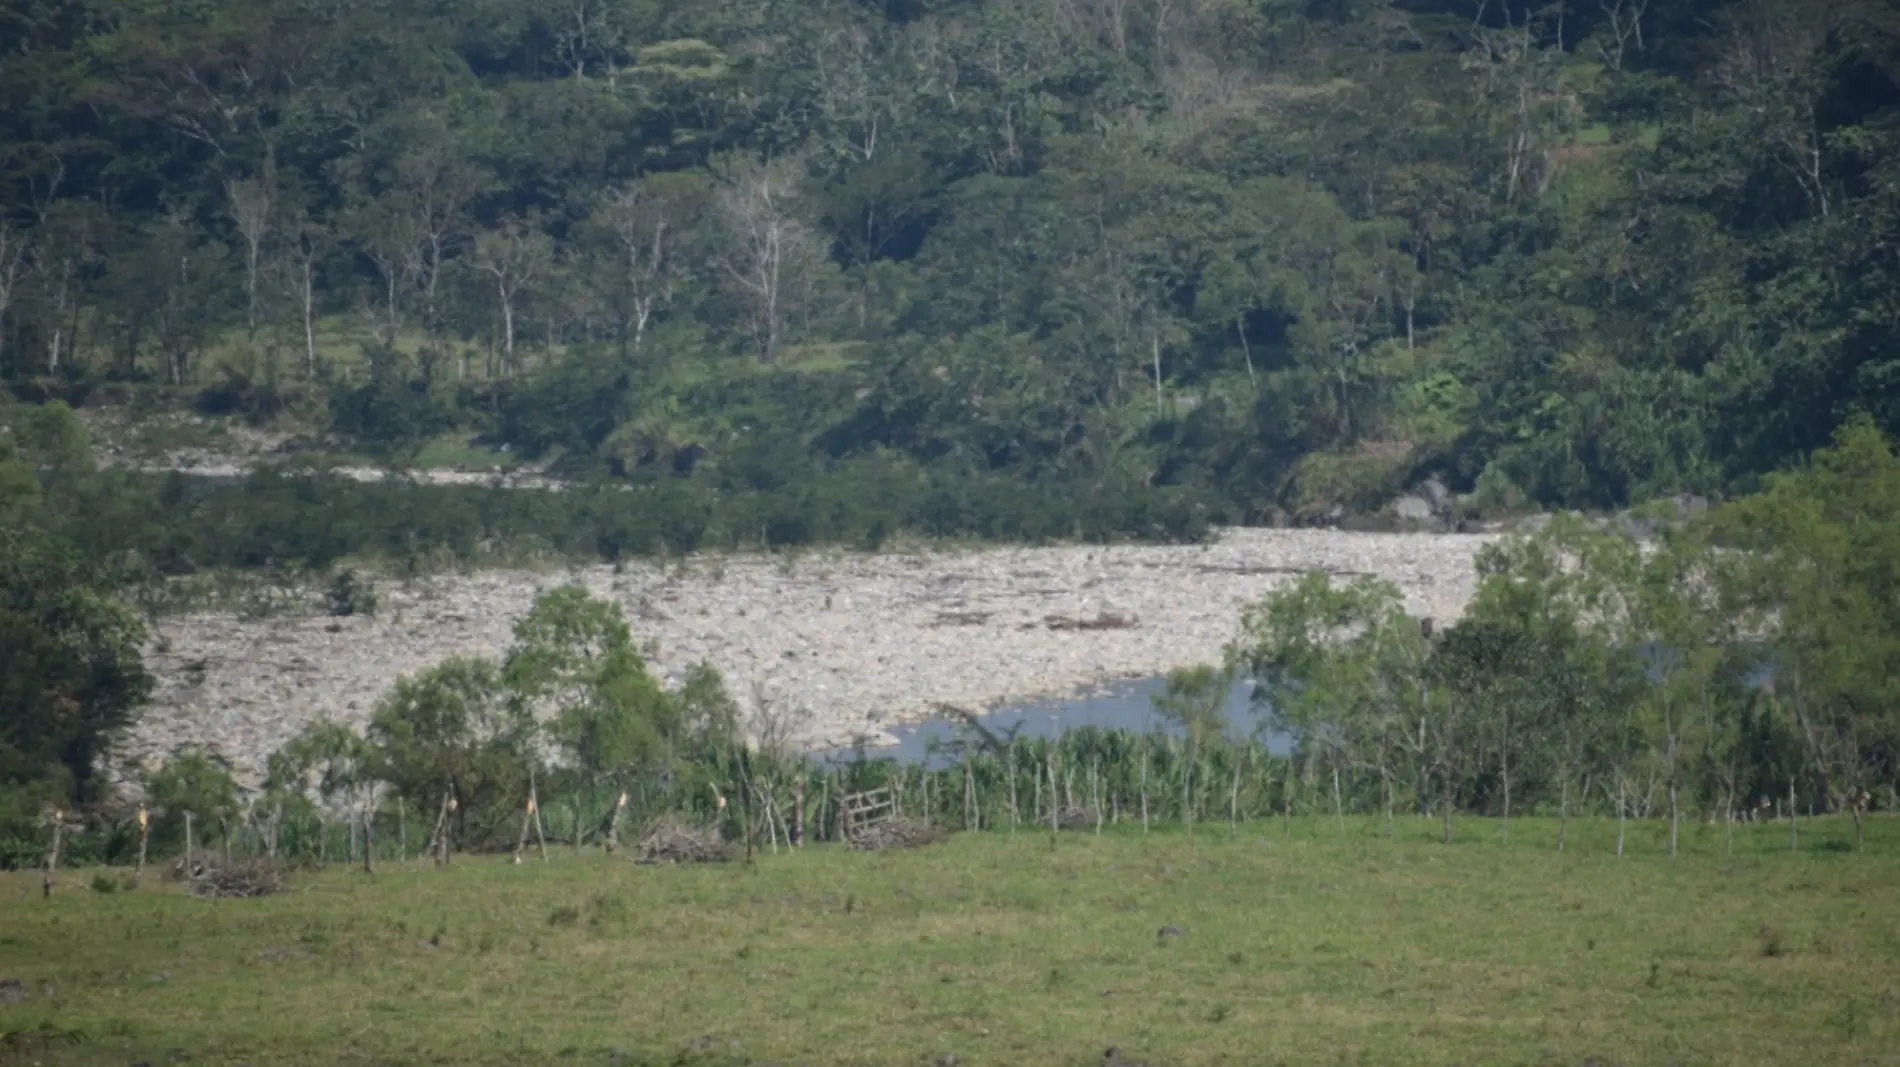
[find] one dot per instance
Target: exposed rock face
(840, 645)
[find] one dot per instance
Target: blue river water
(1127, 705)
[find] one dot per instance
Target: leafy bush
(349, 594)
(1495, 493)
(392, 411)
(238, 393)
(193, 781)
(1323, 483)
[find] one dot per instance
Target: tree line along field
(1285, 941)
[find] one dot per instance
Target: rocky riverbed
(835, 646)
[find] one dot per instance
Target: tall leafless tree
(647, 222)
(1774, 65)
(766, 251)
(1625, 28)
(857, 109)
(312, 242)
(15, 243)
(250, 203)
(385, 239)
(512, 256)
(436, 182)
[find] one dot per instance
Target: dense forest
(1283, 256)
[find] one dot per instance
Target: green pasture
(1301, 942)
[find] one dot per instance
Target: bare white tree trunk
(767, 251)
(641, 222)
(250, 208)
(513, 256)
(1246, 350)
(1339, 809)
(13, 253)
(1626, 25)
(62, 270)
(1156, 339)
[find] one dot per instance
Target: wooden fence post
(534, 809)
(527, 820)
(448, 831)
(1015, 812)
(1095, 788)
(1233, 805)
(774, 823)
(145, 820)
(51, 866)
(824, 807)
(798, 811)
(369, 836)
(613, 823)
(1055, 802)
(1794, 820)
(1036, 813)
(1144, 785)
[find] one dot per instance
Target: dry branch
(671, 839)
(897, 832)
(238, 880)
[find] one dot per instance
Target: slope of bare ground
(841, 645)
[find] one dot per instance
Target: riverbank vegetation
(1724, 668)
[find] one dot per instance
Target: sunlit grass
(1597, 133)
(457, 451)
(1301, 947)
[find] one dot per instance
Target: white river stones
(840, 645)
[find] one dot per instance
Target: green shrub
(1495, 493)
(1322, 483)
(351, 594)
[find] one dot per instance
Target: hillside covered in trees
(1274, 257)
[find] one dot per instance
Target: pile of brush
(237, 880)
(896, 832)
(671, 839)
(188, 867)
(1077, 818)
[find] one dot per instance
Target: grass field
(1297, 945)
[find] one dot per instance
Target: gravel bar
(839, 645)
